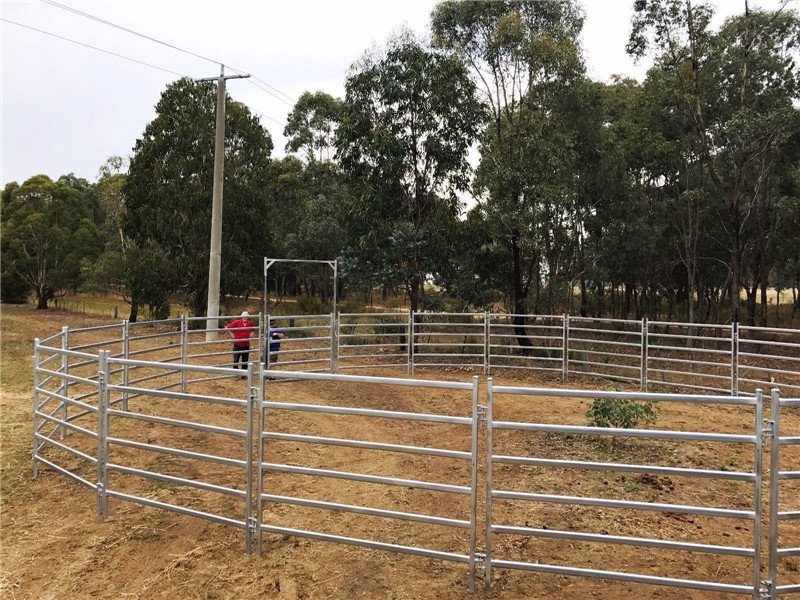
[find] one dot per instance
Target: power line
(66, 39)
(293, 100)
(120, 27)
(265, 87)
(128, 58)
(265, 90)
(260, 114)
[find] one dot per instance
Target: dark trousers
(241, 353)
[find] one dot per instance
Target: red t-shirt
(241, 336)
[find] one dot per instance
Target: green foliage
(311, 305)
(661, 198)
(168, 193)
(48, 229)
(532, 155)
(620, 413)
(311, 126)
(14, 288)
(410, 117)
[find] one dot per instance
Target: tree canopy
(483, 165)
(410, 117)
(168, 191)
(48, 229)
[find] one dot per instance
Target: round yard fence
(500, 475)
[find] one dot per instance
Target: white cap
(245, 314)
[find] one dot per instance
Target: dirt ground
(54, 545)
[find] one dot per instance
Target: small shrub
(618, 413)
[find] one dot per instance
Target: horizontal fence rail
(495, 527)
(98, 390)
(650, 355)
(521, 342)
(373, 340)
(273, 412)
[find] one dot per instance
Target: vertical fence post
(260, 335)
(64, 391)
(411, 341)
(126, 353)
(35, 450)
(102, 434)
(473, 505)
(735, 358)
(259, 473)
(334, 343)
(487, 343)
(565, 349)
(184, 349)
(266, 342)
(757, 493)
(643, 376)
(487, 561)
(774, 470)
(248, 495)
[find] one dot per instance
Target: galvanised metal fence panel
(784, 508)
(610, 348)
(533, 343)
(690, 356)
(282, 422)
(309, 343)
(76, 392)
(136, 470)
(159, 341)
(517, 488)
(448, 340)
(64, 427)
(372, 340)
(90, 340)
(769, 357)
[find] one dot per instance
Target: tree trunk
(751, 304)
(413, 293)
(519, 295)
(134, 311)
(584, 298)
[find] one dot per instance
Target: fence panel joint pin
(766, 591)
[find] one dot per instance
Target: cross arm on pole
(244, 76)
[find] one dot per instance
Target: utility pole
(215, 257)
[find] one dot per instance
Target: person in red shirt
(241, 329)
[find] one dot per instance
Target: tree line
(475, 167)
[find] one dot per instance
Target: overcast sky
(66, 108)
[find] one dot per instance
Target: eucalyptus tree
(738, 88)
(526, 57)
(48, 229)
(318, 230)
(409, 119)
(168, 191)
(311, 126)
